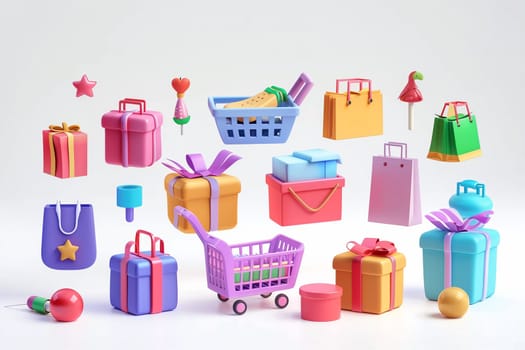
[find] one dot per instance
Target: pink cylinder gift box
(133, 138)
(304, 202)
(320, 302)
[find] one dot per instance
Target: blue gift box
(306, 165)
(468, 262)
(139, 283)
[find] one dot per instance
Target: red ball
(66, 305)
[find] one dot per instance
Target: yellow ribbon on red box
(68, 130)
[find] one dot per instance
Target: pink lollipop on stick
(180, 116)
(411, 95)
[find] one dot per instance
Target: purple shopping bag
(394, 189)
(68, 236)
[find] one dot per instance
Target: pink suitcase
(132, 137)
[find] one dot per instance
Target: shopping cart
(247, 269)
(259, 125)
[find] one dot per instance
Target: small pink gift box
(132, 137)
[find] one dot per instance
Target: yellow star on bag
(68, 251)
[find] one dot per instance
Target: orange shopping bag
(353, 114)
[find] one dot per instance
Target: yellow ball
(453, 302)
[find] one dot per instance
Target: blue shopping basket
(259, 125)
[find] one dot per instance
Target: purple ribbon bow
(223, 161)
(196, 163)
(450, 221)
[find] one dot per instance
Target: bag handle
(301, 88)
(402, 146)
(455, 105)
(360, 81)
(132, 101)
(470, 184)
(153, 239)
(309, 208)
(58, 210)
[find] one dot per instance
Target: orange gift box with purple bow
(65, 151)
(371, 275)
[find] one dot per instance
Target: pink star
(84, 86)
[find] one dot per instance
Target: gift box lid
(317, 155)
(140, 267)
(289, 160)
(145, 122)
(462, 242)
(199, 187)
(370, 265)
(63, 135)
(321, 291)
(305, 165)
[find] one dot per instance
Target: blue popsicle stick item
(129, 197)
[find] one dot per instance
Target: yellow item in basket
(272, 96)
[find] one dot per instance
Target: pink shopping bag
(394, 189)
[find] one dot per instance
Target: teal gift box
(464, 257)
(306, 165)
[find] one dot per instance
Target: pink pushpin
(181, 116)
(66, 305)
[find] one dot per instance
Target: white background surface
(467, 50)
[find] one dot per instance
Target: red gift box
(65, 151)
(303, 202)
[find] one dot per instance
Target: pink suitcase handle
(359, 81)
(132, 101)
(153, 239)
(301, 88)
(402, 146)
(455, 105)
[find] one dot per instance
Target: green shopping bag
(455, 136)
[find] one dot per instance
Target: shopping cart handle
(194, 221)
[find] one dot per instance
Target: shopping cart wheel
(239, 307)
(267, 295)
(222, 297)
(281, 301)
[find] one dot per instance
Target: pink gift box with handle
(133, 137)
